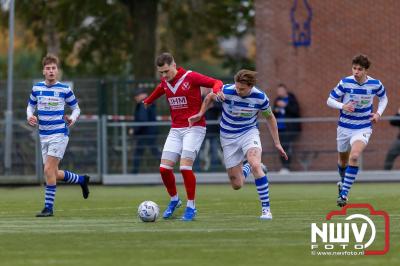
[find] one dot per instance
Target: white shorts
(55, 148)
(235, 149)
(186, 138)
(346, 137)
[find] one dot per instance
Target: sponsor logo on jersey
(241, 114)
(178, 102)
(54, 99)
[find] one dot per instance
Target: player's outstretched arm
(273, 129)
(208, 82)
(208, 100)
(157, 93)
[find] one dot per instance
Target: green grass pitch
(104, 229)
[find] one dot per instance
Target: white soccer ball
(148, 211)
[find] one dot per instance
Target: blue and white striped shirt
(50, 101)
(349, 90)
(239, 114)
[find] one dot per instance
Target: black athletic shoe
(341, 201)
(46, 212)
(85, 187)
(339, 185)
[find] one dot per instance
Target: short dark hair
(361, 60)
(247, 77)
(164, 58)
(283, 85)
(50, 59)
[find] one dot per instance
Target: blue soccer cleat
(173, 204)
(189, 214)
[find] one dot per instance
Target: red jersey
(184, 95)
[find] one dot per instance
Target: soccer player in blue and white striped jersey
(240, 138)
(353, 96)
(50, 97)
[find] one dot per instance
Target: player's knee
(236, 183)
(60, 174)
(236, 186)
(354, 156)
(50, 171)
(188, 155)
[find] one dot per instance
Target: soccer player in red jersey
(182, 90)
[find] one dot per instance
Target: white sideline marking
(68, 210)
(62, 229)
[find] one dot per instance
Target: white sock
(175, 198)
(190, 203)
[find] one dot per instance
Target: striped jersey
(239, 114)
(349, 90)
(50, 101)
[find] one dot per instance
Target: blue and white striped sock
(246, 170)
(263, 191)
(342, 171)
(50, 195)
(72, 178)
(349, 178)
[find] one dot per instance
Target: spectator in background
(286, 106)
(145, 136)
(394, 150)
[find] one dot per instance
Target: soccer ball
(148, 211)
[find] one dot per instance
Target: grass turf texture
(104, 229)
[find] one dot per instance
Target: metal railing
(100, 146)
